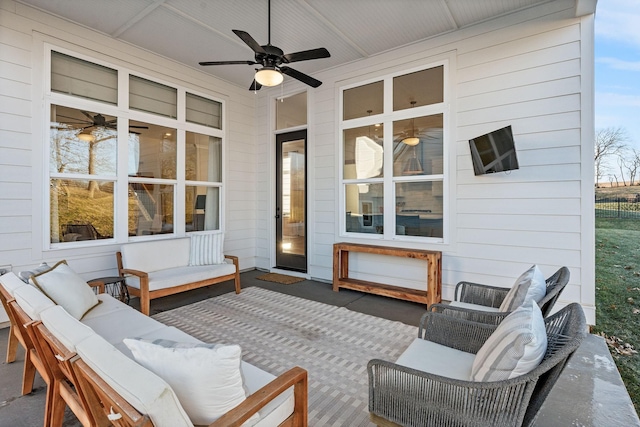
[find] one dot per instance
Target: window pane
(202, 207)
(419, 209)
(203, 158)
(152, 97)
(150, 209)
(363, 153)
(291, 111)
(153, 150)
(73, 76)
(359, 100)
(79, 212)
(204, 111)
(365, 208)
(417, 146)
(82, 142)
(424, 87)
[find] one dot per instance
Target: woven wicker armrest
(476, 293)
(454, 332)
(488, 317)
(410, 397)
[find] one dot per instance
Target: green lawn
(618, 296)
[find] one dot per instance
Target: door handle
(277, 216)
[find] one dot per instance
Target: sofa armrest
(234, 259)
(477, 293)
(296, 377)
(97, 284)
(138, 273)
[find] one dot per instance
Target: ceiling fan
(97, 121)
(272, 58)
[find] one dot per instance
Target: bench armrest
(97, 284)
(233, 258)
(295, 377)
(138, 273)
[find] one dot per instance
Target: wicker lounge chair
(473, 300)
(402, 396)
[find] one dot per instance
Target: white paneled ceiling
(190, 31)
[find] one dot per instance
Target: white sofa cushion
(437, 359)
(11, 282)
(116, 326)
(32, 301)
(107, 305)
(169, 278)
(474, 306)
(206, 249)
(67, 289)
(515, 348)
(531, 285)
(156, 255)
(143, 389)
(66, 328)
(205, 377)
(167, 333)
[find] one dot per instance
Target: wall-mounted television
(493, 152)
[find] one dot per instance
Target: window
(95, 128)
(393, 156)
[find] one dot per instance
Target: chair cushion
(206, 249)
(531, 285)
(205, 377)
(67, 289)
(143, 389)
(474, 306)
(515, 348)
(437, 359)
(32, 301)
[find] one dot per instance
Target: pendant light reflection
(412, 166)
(86, 136)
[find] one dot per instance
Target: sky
(617, 67)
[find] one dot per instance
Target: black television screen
(493, 152)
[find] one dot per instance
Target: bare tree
(630, 159)
(609, 142)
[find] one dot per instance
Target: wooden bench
(430, 295)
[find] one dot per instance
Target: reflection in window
(76, 214)
(355, 100)
(417, 89)
(203, 111)
(202, 208)
(423, 154)
(152, 97)
(419, 208)
(157, 149)
(363, 152)
(203, 158)
(150, 209)
(364, 208)
(291, 111)
(84, 79)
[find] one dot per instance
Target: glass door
(291, 201)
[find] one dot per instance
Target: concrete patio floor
(589, 393)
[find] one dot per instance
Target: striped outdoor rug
(277, 332)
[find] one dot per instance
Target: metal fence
(618, 207)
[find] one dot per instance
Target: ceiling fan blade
(301, 76)
(249, 41)
(227, 62)
(306, 55)
(255, 86)
(89, 116)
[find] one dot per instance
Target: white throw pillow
(206, 249)
(515, 348)
(531, 285)
(26, 275)
(67, 289)
(205, 377)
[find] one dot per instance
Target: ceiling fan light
(85, 136)
(269, 76)
(411, 141)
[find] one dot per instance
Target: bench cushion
(107, 305)
(117, 325)
(156, 255)
(11, 282)
(66, 328)
(173, 277)
(32, 301)
(437, 359)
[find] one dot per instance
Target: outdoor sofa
(89, 330)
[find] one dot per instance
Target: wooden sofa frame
(146, 295)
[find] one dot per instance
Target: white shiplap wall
(531, 70)
(23, 32)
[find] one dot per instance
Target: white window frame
(387, 118)
(121, 179)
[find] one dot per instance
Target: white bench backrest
(156, 255)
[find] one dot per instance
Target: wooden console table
(431, 295)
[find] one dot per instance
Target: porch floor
(590, 391)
